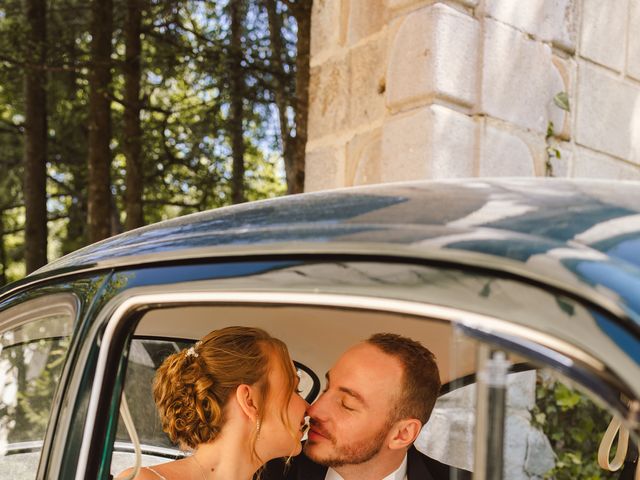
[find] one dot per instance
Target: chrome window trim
(474, 321)
(280, 250)
(42, 306)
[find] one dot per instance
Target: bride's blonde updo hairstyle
(192, 387)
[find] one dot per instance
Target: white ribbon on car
(615, 428)
(133, 435)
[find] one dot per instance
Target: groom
(378, 396)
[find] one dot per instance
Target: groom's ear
(246, 398)
(403, 433)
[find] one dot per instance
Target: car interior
(327, 333)
(448, 437)
(553, 426)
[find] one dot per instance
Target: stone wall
(411, 89)
(449, 434)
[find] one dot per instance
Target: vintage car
(527, 291)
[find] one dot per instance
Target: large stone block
(604, 29)
(365, 19)
(565, 30)
(521, 390)
(433, 54)
(402, 4)
(519, 78)
(363, 158)
(325, 167)
(405, 146)
(547, 20)
(540, 455)
(430, 142)
(515, 446)
(590, 164)
(633, 49)
(414, 4)
(507, 153)
(367, 82)
(448, 436)
(328, 98)
(608, 113)
(326, 27)
(453, 149)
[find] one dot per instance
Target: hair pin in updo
(191, 351)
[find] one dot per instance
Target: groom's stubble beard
(348, 453)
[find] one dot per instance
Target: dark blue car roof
(572, 232)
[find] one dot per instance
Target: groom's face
(351, 420)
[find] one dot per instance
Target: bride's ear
(246, 398)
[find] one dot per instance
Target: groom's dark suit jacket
(419, 467)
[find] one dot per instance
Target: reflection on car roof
(583, 232)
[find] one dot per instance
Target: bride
(232, 399)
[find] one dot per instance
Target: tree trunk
(132, 129)
(99, 211)
(302, 12)
(77, 235)
(3, 252)
(279, 90)
(77, 226)
(237, 91)
(35, 137)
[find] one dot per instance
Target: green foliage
(574, 426)
(35, 400)
(11, 118)
(560, 100)
(185, 95)
(35, 386)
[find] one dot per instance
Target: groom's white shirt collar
(399, 474)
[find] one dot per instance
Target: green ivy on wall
(574, 425)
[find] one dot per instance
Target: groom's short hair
(420, 383)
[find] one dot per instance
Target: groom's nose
(317, 410)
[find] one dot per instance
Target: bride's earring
(258, 428)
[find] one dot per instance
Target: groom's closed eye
(352, 398)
